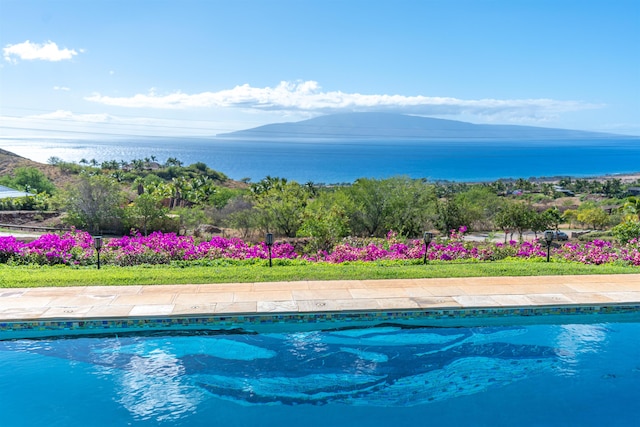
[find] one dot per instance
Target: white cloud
(68, 115)
(70, 124)
(48, 51)
(307, 96)
(63, 88)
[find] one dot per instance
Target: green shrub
(626, 231)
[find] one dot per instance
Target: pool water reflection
(551, 374)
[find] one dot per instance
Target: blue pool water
(540, 375)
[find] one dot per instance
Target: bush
(76, 248)
(626, 231)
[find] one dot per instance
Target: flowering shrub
(631, 252)
(76, 248)
(457, 235)
(72, 247)
(504, 250)
(595, 252)
(10, 247)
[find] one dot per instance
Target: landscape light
(548, 237)
(269, 242)
(97, 243)
(427, 236)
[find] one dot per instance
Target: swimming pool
(566, 370)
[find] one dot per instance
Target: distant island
(399, 126)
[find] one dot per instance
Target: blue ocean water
(344, 161)
(531, 375)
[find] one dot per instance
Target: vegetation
(75, 249)
(323, 232)
(144, 195)
(30, 180)
(225, 271)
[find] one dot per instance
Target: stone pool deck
(105, 302)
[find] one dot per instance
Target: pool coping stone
(193, 306)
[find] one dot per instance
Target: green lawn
(34, 276)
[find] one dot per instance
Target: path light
(548, 237)
(97, 242)
(427, 236)
(269, 243)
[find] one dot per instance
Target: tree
(144, 210)
(554, 217)
(480, 204)
(515, 216)
(202, 189)
(240, 214)
(280, 205)
(631, 207)
(32, 180)
(325, 220)
(524, 184)
(267, 184)
(369, 197)
(137, 165)
(110, 165)
(184, 191)
(172, 161)
(594, 216)
(450, 215)
(409, 206)
(221, 197)
(94, 203)
(612, 188)
(539, 221)
(570, 215)
(465, 208)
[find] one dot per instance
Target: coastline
(344, 164)
(625, 178)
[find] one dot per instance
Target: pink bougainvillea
(77, 248)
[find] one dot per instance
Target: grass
(45, 276)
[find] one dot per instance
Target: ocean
(344, 161)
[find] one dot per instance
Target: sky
(95, 69)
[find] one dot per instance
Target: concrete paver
(96, 302)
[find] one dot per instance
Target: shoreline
(624, 177)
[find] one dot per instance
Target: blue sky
(84, 69)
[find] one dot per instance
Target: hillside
(10, 161)
(395, 126)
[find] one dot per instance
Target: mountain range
(399, 126)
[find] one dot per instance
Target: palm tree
(172, 161)
(632, 207)
(138, 165)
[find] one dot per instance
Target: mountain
(399, 126)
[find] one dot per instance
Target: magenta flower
(76, 247)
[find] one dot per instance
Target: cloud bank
(307, 96)
(28, 51)
(70, 116)
(68, 123)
